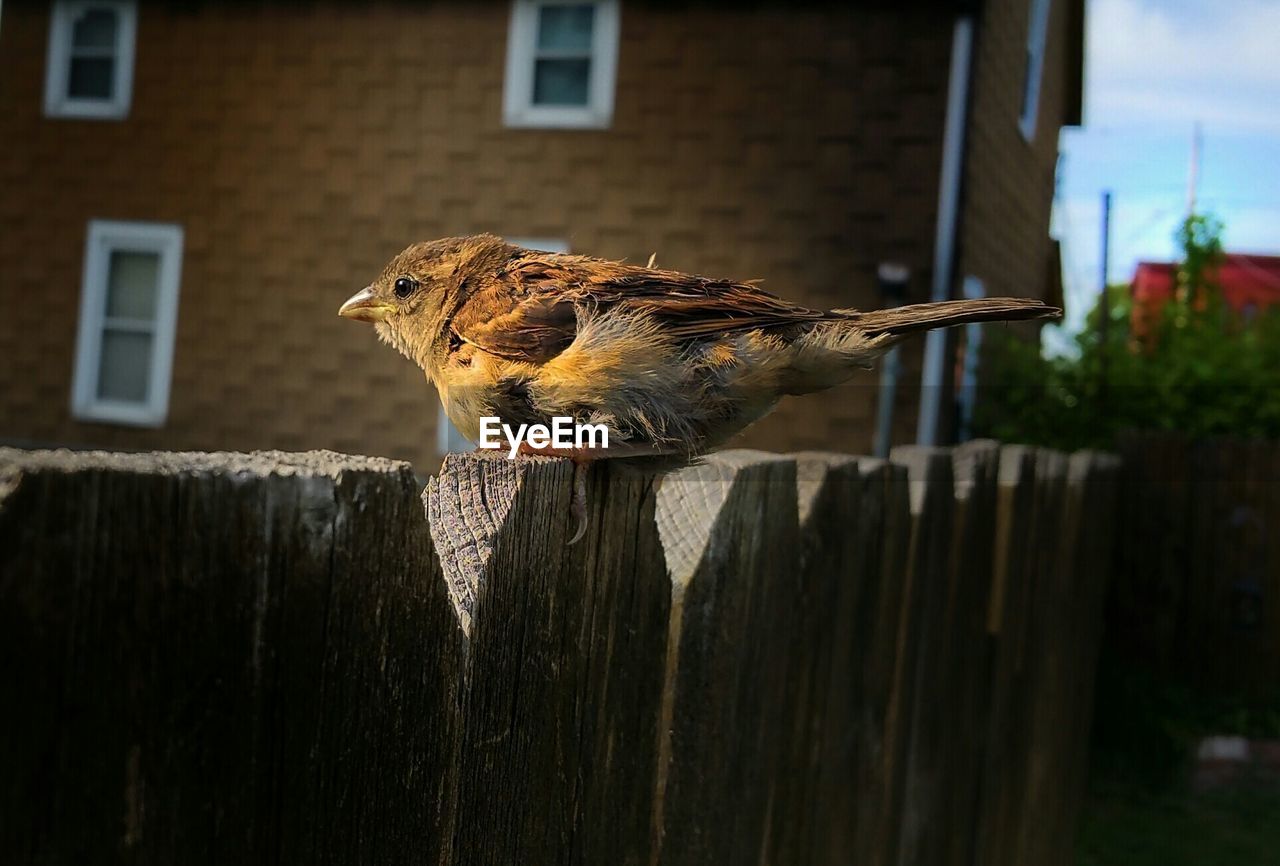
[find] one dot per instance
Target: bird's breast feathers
(623, 369)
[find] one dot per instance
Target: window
(448, 439)
(562, 59)
(1037, 31)
(128, 310)
(89, 72)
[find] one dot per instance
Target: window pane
(566, 28)
(131, 285)
(90, 78)
(126, 366)
(561, 82)
(96, 28)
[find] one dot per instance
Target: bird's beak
(363, 306)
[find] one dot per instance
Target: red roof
(1246, 281)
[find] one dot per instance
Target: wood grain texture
(923, 654)
(222, 658)
(466, 505)
(999, 794)
(836, 575)
(885, 514)
(563, 674)
(1201, 523)
(969, 647)
(729, 710)
(809, 659)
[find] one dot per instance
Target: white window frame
(58, 62)
(448, 439)
(518, 109)
(103, 238)
(1037, 35)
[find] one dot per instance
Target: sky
(1155, 68)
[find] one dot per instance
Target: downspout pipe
(944, 244)
(892, 278)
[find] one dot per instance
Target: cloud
(1171, 63)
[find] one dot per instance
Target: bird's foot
(578, 502)
(582, 459)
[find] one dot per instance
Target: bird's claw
(578, 502)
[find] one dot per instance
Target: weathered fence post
(924, 719)
(652, 675)
(1197, 588)
(1055, 527)
(833, 544)
(563, 670)
(729, 530)
(884, 520)
(214, 658)
(999, 792)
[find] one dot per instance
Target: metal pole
(1193, 173)
(1104, 302)
(953, 133)
(1104, 305)
(890, 372)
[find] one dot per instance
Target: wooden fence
(809, 659)
(1197, 577)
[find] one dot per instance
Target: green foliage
(1199, 370)
(1237, 827)
(1140, 809)
(1148, 724)
(1200, 239)
(1202, 371)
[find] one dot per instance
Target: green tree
(1203, 371)
(1200, 239)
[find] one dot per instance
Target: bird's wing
(529, 313)
(515, 326)
(690, 306)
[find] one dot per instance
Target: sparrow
(673, 364)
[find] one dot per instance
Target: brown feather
(530, 329)
(898, 321)
(528, 313)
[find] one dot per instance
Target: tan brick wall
(1009, 181)
(301, 146)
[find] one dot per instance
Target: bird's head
(411, 301)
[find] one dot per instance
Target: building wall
(1009, 181)
(300, 146)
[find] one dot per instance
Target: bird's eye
(405, 287)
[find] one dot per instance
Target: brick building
(191, 189)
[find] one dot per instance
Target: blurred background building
(1249, 284)
(191, 189)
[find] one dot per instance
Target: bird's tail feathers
(900, 321)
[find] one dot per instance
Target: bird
(673, 364)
